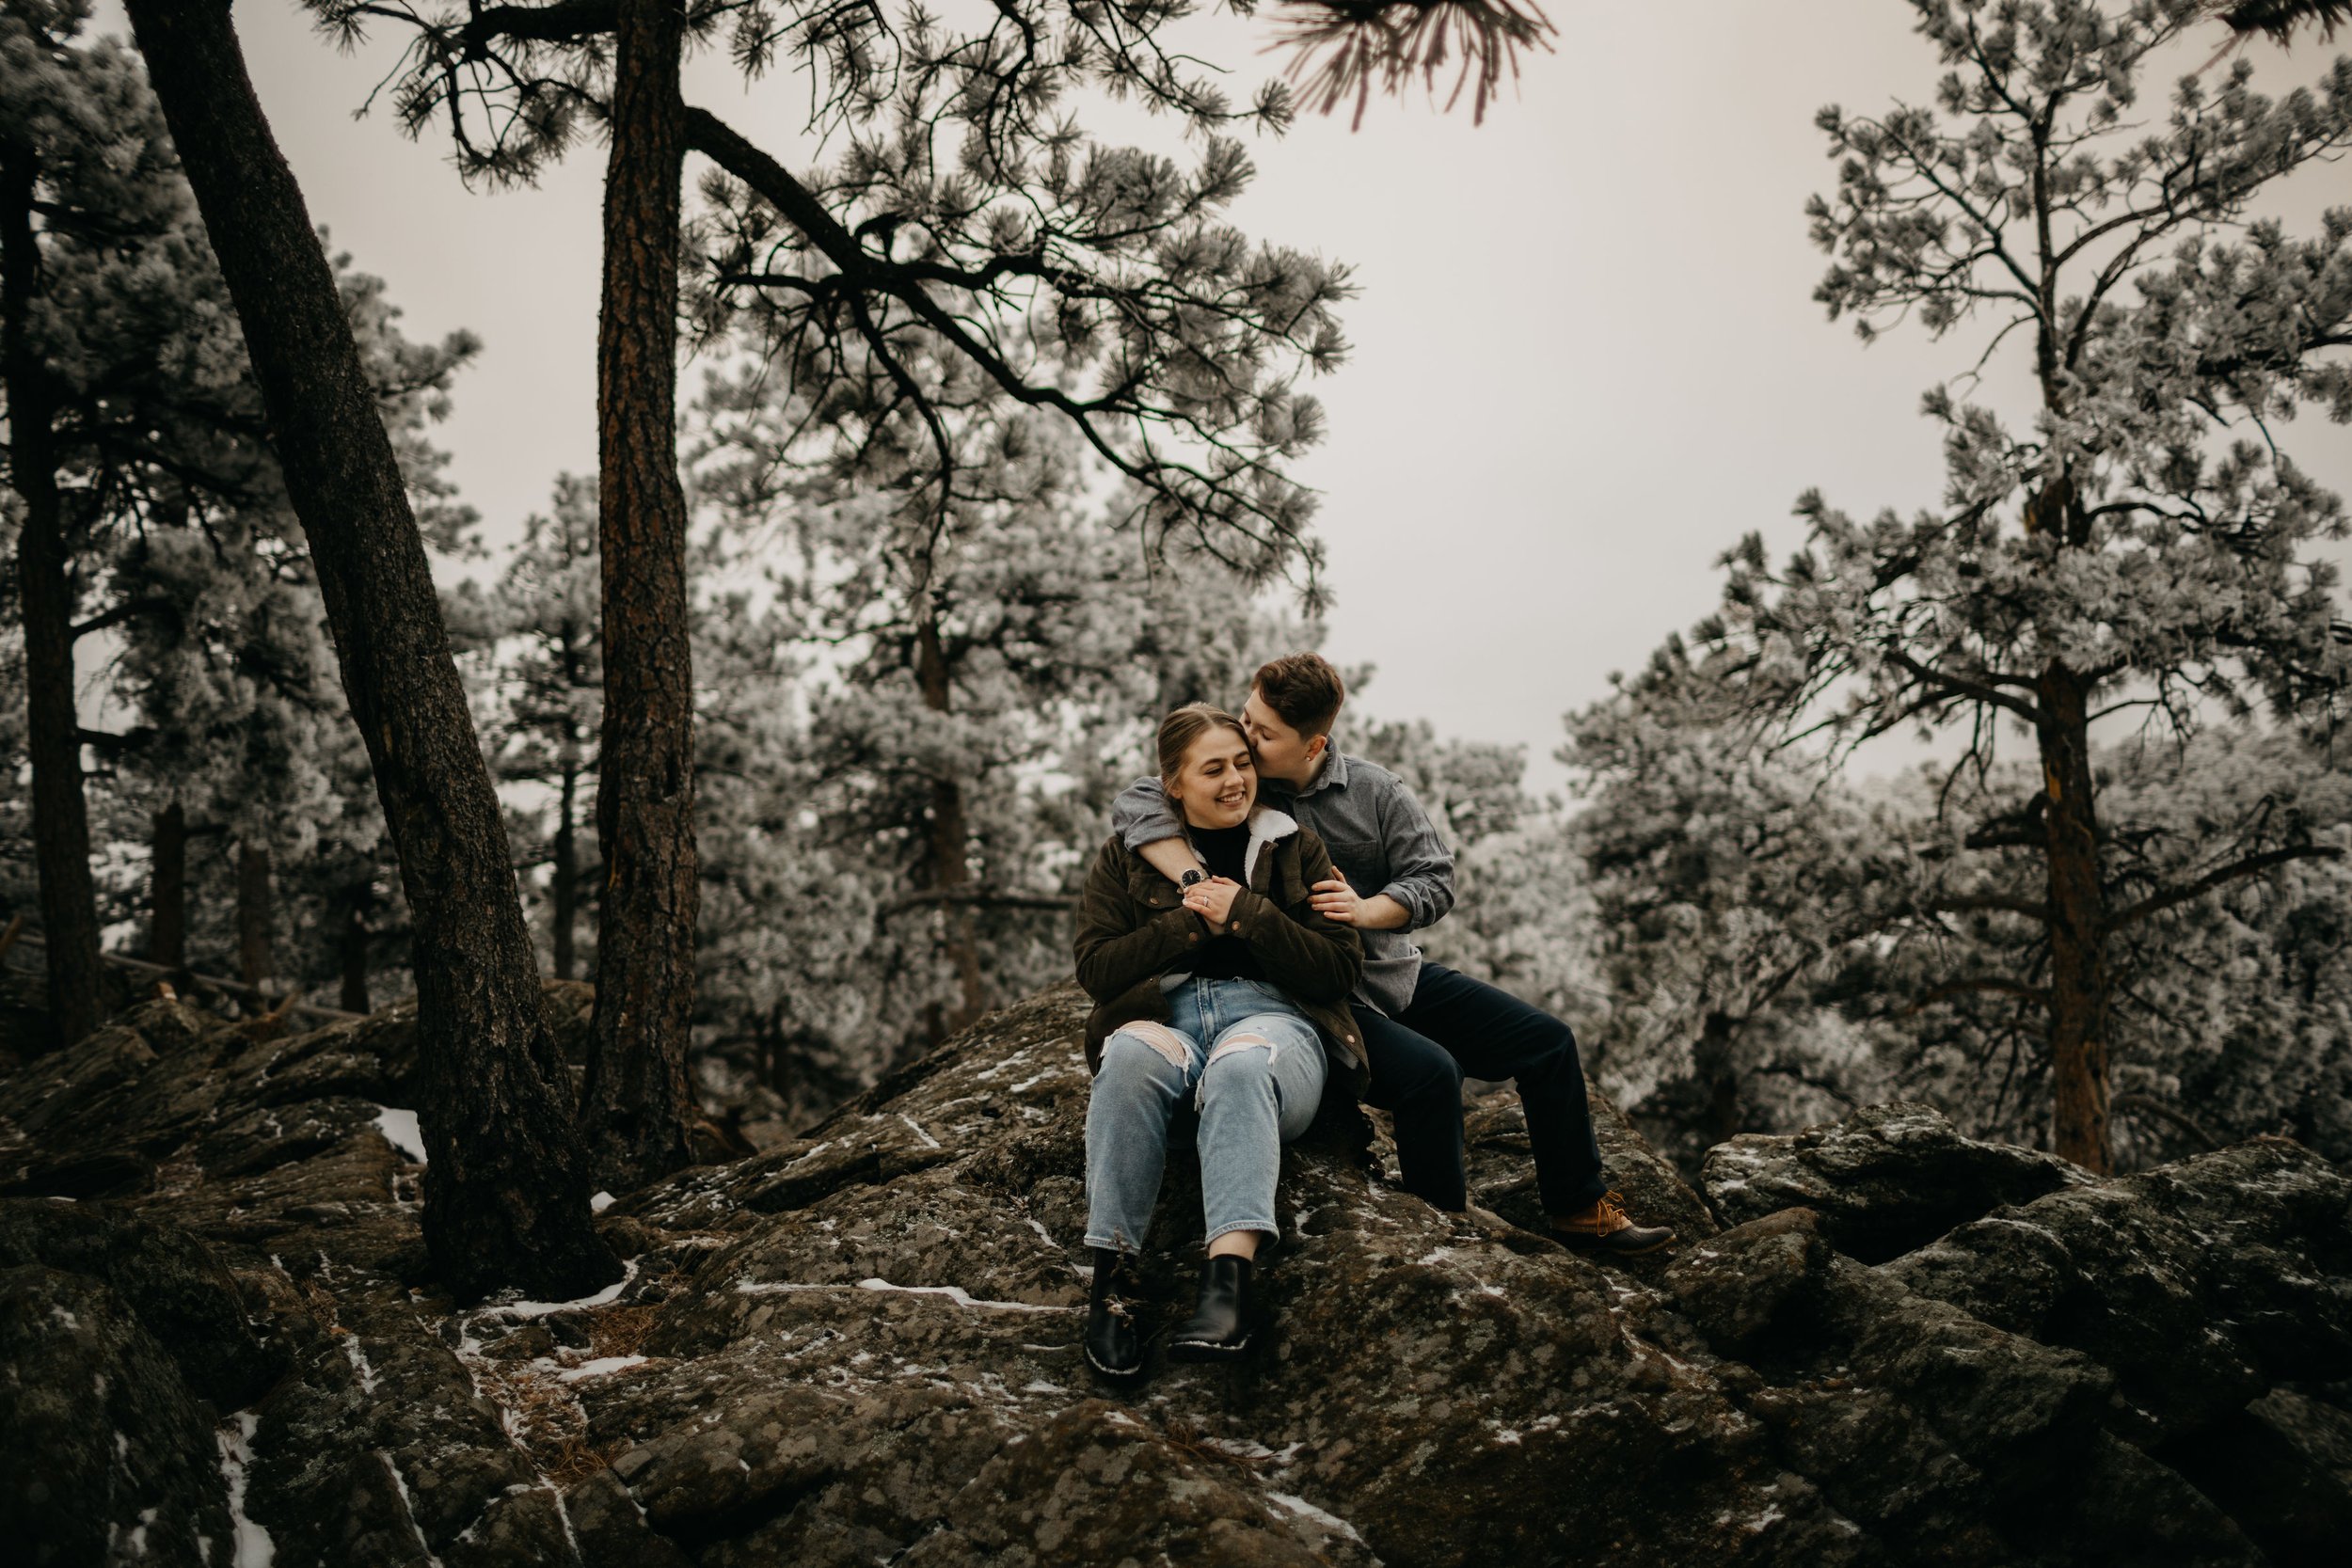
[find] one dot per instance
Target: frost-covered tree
(121, 384)
(2141, 542)
(981, 685)
(1779, 944)
(1727, 884)
(536, 638)
(1173, 344)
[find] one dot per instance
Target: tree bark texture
(566, 888)
(950, 839)
(69, 900)
(2078, 957)
(506, 1193)
(168, 889)
(255, 965)
(636, 1109)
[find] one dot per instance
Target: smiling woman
(1207, 765)
(1230, 1001)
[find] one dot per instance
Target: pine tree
(506, 1202)
(2145, 543)
(538, 640)
(1190, 338)
(969, 695)
(1778, 943)
(98, 337)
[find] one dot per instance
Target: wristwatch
(1192, 874)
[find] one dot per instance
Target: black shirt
(1225, 851)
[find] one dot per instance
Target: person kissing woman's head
(1206, 766)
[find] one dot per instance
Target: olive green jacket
(1133, 928)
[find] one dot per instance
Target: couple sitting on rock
(1239, 971)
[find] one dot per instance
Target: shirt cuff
(1416, 905)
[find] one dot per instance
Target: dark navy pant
(1456, 1027)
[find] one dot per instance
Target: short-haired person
(1425, 1026)
(1231, 994)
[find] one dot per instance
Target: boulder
(172, 1283)
(109, 1457)
(2200, 1285)
(1885, 1180)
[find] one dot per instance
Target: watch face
(1188, 878)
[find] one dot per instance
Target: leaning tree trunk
(69, 900)
(950, 841)
(2079, 960)
(506, 1193)
(635, 1112)
(255, 965)
(168, 889)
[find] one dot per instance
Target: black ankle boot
(1220, 1326)
(1112, 1346)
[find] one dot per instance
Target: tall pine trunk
(636, 1109)
(255, 965)
(566, 889)
(950, 840)
(168, 889)
(2078, 944)
(69, 900)
(507, 1193)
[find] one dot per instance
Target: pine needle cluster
(1343, 49)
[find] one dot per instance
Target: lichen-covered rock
(860, 1345)
(2283, 1465)
(1885, 1179)
(109, 1457)
(2200, 1285)
(1737, 1285)
(172, 1283)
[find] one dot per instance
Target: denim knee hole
(1230, 1046)
(1161, 1038)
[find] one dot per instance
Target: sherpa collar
(1268, 825)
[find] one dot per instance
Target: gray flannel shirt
(1378, 836)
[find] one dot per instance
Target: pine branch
(2158, 903)
(126, 610)
(2279, 19)
(2150, 1105)
(2031, 909)
(1341, 48)
(1969, 985)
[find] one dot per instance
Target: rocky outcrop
(860, 1346)
(1886, 1180)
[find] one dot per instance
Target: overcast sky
(1585, 353)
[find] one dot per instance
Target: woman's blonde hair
(1187, 724)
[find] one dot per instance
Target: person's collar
(1331, 774)
(1268, 825)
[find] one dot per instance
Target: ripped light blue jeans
(1251, 1065)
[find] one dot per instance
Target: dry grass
(542, 1412)
(620, 1330)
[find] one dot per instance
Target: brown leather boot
(1604, 1226)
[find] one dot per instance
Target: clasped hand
(1213, 901)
